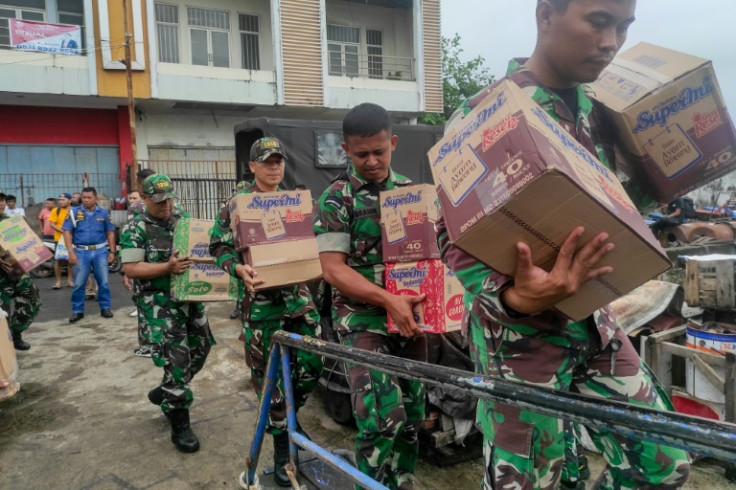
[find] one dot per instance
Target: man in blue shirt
(90, 235)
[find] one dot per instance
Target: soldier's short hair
(366, 120)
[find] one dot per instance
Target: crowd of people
(513, 329)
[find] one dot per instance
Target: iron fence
(30, 189)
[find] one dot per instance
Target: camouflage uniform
(593, 356)
(26, 295)
(180, 333)
(262, 314)
(388, 410)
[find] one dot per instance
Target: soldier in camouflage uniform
(180, 332)
(388, 410)
(264, 312)
(21, 289)
(515, 333)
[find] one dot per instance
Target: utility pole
(131, 101)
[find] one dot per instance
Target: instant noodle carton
(20, 246)
(204, 280)
(284, 263)
(508, 173)
(671, 118)
(270, 217)
(442, 310)
(408, 215)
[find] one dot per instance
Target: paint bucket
(696, 383)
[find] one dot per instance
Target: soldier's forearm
(145, 270)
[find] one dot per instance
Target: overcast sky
(499, 30)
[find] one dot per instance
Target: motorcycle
(47, 268)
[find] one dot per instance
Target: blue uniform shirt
(91, 228)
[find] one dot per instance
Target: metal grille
(34, 188)
(214, 19)
(249, 29)
(167, 29)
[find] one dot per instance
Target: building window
(374, 42)
(167, 32)
(19, 9)
(343, 45)
(249, 29)
(209, 32)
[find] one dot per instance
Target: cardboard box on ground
(273, 230)
(20, 246)
(671, 118)
(411, 257)
(509, 173)
(203, 281)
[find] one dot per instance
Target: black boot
(18, 342)
(280, 459)
(181, 432)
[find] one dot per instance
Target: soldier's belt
(91, 247)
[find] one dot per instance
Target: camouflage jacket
(347, 219)
(269, 304)
(484, 285)
(147, 239)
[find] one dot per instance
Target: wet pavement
(82, 420)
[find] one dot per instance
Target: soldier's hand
(126, 282)
(72, 258)
(536, 290)
(6, 267)
(178, 265)
(248, 275)
(401, 311)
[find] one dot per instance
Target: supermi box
(192, 239)
(408, 215)
(671, 119)
(20, 246)
(270, 217)
(442, 309)
(510, 173)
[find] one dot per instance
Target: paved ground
(82, 420)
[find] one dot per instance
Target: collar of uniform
(81, 206)
(249, 187)
(394, 179)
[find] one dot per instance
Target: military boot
(280, 459)
(18, 342)
(181, 432)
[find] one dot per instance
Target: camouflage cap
(264, 148)
(158, 187)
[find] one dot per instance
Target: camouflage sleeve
(133, 242)
(331, 222)
(222, 245)
(482, 282)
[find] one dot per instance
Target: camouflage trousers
(27, 301)
(524, 449)
(389, 410)
(181, 340)
(306, 367)
(144, 331)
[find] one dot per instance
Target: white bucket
(696, 383)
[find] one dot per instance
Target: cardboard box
(442, 310)
(408, 215)
(20, 246)
(9, 384)
(270, 217)
(510, 173)
(671, 117)
(285, 263)
(192, 239)
(204, 282)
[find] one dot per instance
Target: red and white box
(442, 309)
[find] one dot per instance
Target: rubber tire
(41, 272)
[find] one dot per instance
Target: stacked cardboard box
(411, 257)
(273, 230)
(671, 118)
(511, 174)
(20, 246)
(204, 281)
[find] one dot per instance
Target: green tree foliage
(460, 79)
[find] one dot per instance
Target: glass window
(26, 12)
(249, 41)
(210, 36)
(343, 48)
(374, 41)
(199, 47)
(167, 32)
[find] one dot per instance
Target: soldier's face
(371, 155)
(133, 197)
(159, 210)
(581, 41)
(269, 173)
